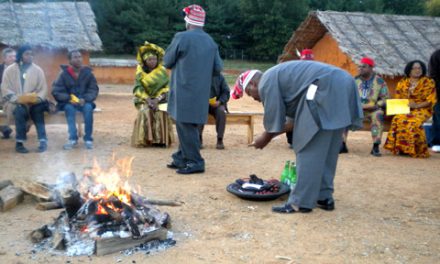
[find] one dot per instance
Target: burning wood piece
(9, 197)
(139, 200)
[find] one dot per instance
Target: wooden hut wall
(115, 74)
(327, 50)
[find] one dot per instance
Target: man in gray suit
(323, 101)
(193, 58)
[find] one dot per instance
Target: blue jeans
(22, 113)
(87, 110)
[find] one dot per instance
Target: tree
(433, 7)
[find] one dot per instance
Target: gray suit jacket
(193, 58)
(336, 103)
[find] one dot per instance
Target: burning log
(110, 245)
(9, 197)
(139, 200)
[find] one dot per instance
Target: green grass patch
(246, 65)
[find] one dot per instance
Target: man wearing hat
(193, 58)
(322, 100)
(373, 92)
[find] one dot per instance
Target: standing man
(76, 89)
(193, 58)
(9, 56)
(373, 92)
(24, 89)
(218, 108)
(323, 101)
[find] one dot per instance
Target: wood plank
(111, 245)
(10, 197)
(34, 188)
(5, 183)
(44, 206)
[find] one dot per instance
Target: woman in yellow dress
(153, 126)
(406, 135)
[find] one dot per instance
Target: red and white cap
(195, 15)
(307, 54)
(242, 81)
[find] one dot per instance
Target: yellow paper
(212, 100)
(397, 106)
(163, 107)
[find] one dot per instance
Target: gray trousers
(220, 120)
(316, 167)
(189, 146)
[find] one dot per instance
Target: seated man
(76, 89)
(218, 108)
(24, 90)
(9, 56)
(373, 92)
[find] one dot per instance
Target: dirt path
(388, 208)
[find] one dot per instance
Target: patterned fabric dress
(152, 127)
(406, 135)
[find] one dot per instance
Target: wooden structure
(51, 28)
(240, 118)
(343, 38)
(116, 71)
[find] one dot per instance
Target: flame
(103, 184)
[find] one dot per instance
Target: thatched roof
(69, 25)
(391, 40)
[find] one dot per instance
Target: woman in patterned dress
(406, 135)
(153, 126)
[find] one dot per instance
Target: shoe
(327, 204)
(174, 166)
(20, 148)
(288, 209)
(436, 148)
(220, 145)
(89, 144)
(70, 145)
(42, 147)
(343, 148)
(190, 169)
(7, 133)
(375, 152)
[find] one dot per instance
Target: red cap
(368, 61)
(307, 54)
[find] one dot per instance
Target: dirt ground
(387, 209)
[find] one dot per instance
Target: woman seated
(153, 126)
(406, 135)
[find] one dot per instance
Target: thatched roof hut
(52, 28)
(343, 38)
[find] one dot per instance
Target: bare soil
(387, 208)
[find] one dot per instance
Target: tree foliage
(260, 28)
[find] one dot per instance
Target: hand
(413, 105)
(216, 104)
(82, 102)
(261, 141)
(369, 107)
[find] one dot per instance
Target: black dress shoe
(42, 147)
(327, 204)
(190, 170)
(20, 148)
(174, 166)
(375, 152)
(288, 209)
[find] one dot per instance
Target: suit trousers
(316, 166)
(188, 152)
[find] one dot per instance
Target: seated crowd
(25, 97)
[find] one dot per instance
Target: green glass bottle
(292, 174)
(285, 173)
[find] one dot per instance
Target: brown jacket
(11, 87)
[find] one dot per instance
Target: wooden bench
(60, 118)
(240, 118)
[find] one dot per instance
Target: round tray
(234, 188)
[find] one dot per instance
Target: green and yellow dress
(152, 127)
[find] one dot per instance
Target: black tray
(234, 188)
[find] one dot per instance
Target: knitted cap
(368, 61)
(241, 83)
(195, 15)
